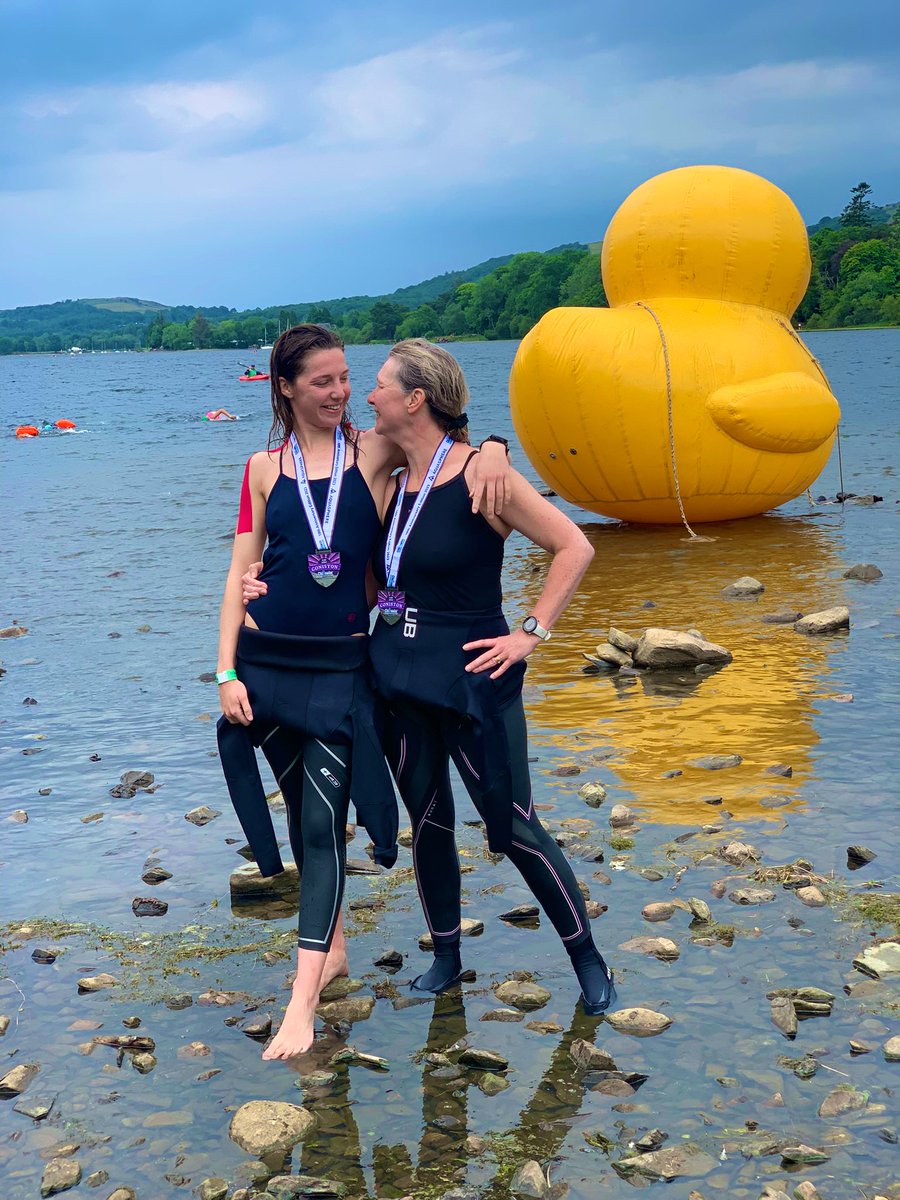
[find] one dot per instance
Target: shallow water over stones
(804, 779)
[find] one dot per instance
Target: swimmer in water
(219, 414)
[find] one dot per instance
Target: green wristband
(225, 676)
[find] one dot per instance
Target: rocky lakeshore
(131, 1058)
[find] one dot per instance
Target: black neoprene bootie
(443, 973)
(598, 990)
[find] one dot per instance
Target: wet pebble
(522, 912)
(620, 816)
(859, 856)
(42, 955)
(149, 906)
(194, 1050)
(213, 1189)
(484, 1060)
(749, 896)
(522, 994)
(811, 897)
(638, 1022)
(867, 572)
(528, 1180)
(259, 1028)
(16, 1080)
(509, 1015)
(4, 1024)
(661, 910)
(97, 1179)
(19, 817)
(659, 947)
(891, 1050)
(202, 815)
(590, 1057)
(829, 620)
(143, 1063)
(841, 1101)
(716, 762)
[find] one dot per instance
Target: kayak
(250, 378)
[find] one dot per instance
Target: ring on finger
(497, 659)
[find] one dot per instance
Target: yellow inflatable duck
(692, 386)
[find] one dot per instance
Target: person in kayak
(448, 667)
(293, 670)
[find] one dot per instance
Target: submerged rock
(891, 1050)
(743, 588)
(783, 1015)
(841, 1101)
(60, 1174)
(350, 1008)
(148, 906)
(264, 1127)
(678, 1162)
(295, 1187)
(716, 762)
(662, 948)
(638, 1022)
(879, 961)
(751, 896)
(522, 912)
(801, 1155)
(864, 571)
(609, 655)
(484, 1060)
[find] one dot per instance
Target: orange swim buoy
(64, 424)
(27, 431)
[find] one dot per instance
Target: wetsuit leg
(314, 777)
(540, 861)
(415, 749)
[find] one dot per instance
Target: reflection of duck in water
(703, 266)
(761, 707)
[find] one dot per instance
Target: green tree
(155, 331)
(201, 332)
(385, 316)
(176, 337)
(871, 255)
(859, 209)
(287, 319)
(423, 322)
(584, 287)
(320, 314)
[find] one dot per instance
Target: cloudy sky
(237, 153)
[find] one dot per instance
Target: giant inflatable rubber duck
(691, 397)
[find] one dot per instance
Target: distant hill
(73, 322)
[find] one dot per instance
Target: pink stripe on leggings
(549, 867)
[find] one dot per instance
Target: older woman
(450, 669)
(293, 670)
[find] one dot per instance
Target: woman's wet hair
(288, 360)
(433, 369)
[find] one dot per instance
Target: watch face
(529, 624)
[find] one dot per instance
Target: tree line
(855, 281)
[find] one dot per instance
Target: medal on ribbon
(325, 565)
(391, 599)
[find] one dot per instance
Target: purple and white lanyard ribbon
(321, 567)
(394, 547)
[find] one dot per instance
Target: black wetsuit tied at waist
(318, 687)
(450, 574)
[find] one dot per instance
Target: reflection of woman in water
(293, 673)
(449, 668)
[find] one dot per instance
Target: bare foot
(295, 1036)
(334, 968)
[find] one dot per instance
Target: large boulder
(665, 649)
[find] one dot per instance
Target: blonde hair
(433, 369)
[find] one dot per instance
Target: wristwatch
(533, 626)
(494, 437)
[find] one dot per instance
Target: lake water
(116, 543)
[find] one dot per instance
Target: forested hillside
(855, 281)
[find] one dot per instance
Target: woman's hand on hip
(252, 587)
(498, 654)
(235, 702)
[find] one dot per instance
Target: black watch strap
(494, 437)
